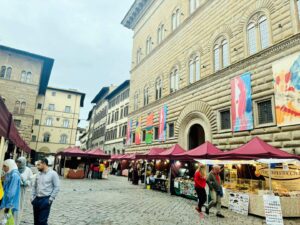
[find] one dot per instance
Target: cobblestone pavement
(116, 202)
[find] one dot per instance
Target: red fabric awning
(151, 152)
(73, 152)
(5, 120)
(256, 149)
(116, 157)
(128, 157)
(204, 151)
(168, 154)
(97, 153)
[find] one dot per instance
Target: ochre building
(225, 71)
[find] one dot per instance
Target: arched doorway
(196, 136)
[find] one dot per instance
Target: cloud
(90, 47)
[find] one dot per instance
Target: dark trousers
(41, 210)
(100, 175)
(201, 193)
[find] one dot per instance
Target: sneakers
(207, 210)
(220, 215)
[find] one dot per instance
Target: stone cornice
(226, 72)
(135, 13)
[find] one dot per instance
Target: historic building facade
(188, 58)
(98, 118)
(56, 120)
(116, 124)
(23, 77)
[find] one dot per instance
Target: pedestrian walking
(216, 190)
(12, 189)
(26, 177)
(101, 169)
(135, 175)
(200, 183)
(44, 190)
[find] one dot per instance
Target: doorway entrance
(196, 136)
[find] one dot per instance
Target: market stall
(273, 173)
(186, 167)
(71, 163)
(158, 173)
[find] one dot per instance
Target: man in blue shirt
(44, 190)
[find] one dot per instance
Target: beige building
(185, 54)
(23, 76)
(55, 120)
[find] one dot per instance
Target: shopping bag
(10, 219)
(1, 190)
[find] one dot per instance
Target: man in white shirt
(44, 190)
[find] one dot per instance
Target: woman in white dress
(26, 178)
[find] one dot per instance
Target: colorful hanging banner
(162, 131)
(149, 128)
(138, 131)
(286, 73)
(128, 132)
(241, 103)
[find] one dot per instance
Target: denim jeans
(41, 210)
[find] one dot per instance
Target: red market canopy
(116, 157)
(73, 152)
(204, 151)
(128, 157)
(256, 149)
(169, 153)
(153, 151)
(97, 153)
(5, 120)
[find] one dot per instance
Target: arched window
(148, 45)
(174, 81)
(22, 108)
(139, 55)
(49, 121)
(46, 137)
(258, 33)
(252, 45)
(8, 73)
(158, 88)
(23, 76)
(146, 95)
(3, 71)
(175, 19)
(136, 101)
(194, 4)
(160, 33)
(225, 53)
(63, 139)
(194, 69)
(264, 34)
(216, 58)
(28, 77)
(17, 107)
(221, 54)
(197, 65)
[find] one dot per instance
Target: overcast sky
(85, 37)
